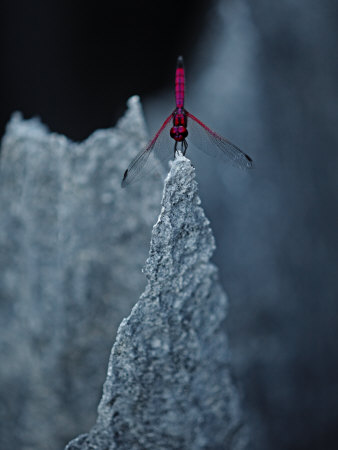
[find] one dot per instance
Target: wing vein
(142, 159)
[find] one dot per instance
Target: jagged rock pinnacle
(168, 384)
(72, 245)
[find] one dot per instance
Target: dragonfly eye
(183, 131)
(173, 132)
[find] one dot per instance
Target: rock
(169, 384)
(72, 244)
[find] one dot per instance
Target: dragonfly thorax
(179, 130)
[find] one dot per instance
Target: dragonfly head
(179, 133)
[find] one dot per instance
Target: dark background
(276, 229)
(74, 63)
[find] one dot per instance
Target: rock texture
(168, 384)
(72, 244)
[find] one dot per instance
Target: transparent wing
(147, 161)
(215, 145)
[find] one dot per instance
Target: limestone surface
(72, 245)
(169, 384)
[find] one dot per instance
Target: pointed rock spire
(168, 384)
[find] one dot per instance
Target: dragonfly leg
(184, 146)
(175, 149)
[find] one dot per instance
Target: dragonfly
(176, 127)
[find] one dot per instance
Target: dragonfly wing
(147, 160)
(215, 145)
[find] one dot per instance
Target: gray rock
(72, 245)
(168, 384)
(262, 77)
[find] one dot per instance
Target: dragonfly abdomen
(179, 83)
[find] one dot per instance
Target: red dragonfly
(176, 126)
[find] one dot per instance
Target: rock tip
(133, 100)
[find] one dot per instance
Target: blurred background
(264, 74)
